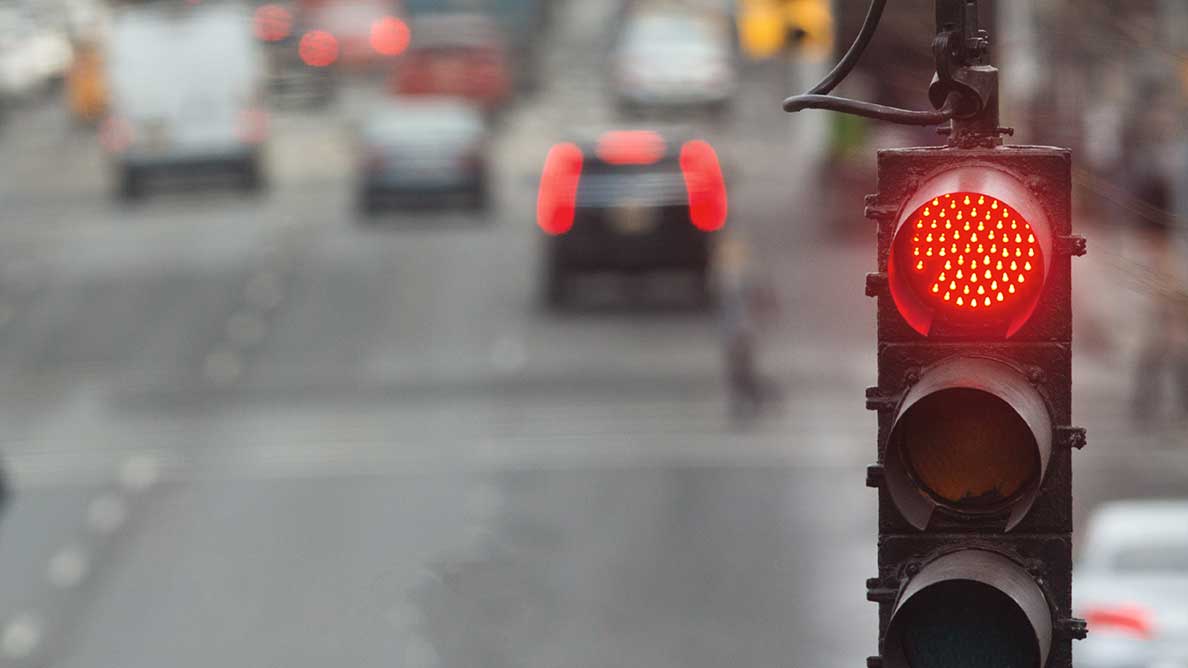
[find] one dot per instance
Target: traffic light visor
(972, 437)
(972, 608)
(971, 252)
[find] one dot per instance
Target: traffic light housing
(974, 404)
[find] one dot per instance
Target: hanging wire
(818, 96)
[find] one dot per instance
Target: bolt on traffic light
(974, 352)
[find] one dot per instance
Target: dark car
(417, 150)
(630, 202)
(179, 107)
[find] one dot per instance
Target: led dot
(967, 227)
(1014, 266)
(991, 235)
(1030, 238)
(916, 251)
(967, 200)
(1026, 266)
(942, 213)
(974, 239)
(941, 277)
(987, 215)
(960, 260)
(960, 301)
(1022, 278)
(1018, 237)
(920, 265)
(1014, 225)
(999, 225)
(1000, 297)
(994, 285)
(1006, 213)
(952, 285)
(948, 225)
(953, 248)
(948, 265)
(973, 264)
(959, 217)
(929, 253)
(942, 252)
(1030, 252)
(987, 301)
(1006, 279)
(965, 290)
(981, 226)
(968, 248)
(927, 212)
(973, 278)
(935, 287)
(935, 202)
(960, 274)
(973, 303)
(957, 234)
(998, 266)
(1018, 252)
(982, 290)
(948, 295)
(994, 205)
(953, 205)
(989, 275)
(1005, 252)
(1011, 289)
(981, 199)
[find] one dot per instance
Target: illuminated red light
(389, 36)
(273, 23)
(967, 252)
(705, 185)
(635, 147)
(318, 48)
(557, 199)
(1126, 620)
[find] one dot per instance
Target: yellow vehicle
(767, 28)
(86, 86)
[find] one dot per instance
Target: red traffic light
(973, 437)
(971, 250)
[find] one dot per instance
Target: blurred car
(461, 55)
(288, 79)
(177, 105)
(1131, 586)
(32, 55)
(367, 33)
(632, 201)
(419, 149)
(673, 60)
(523, 24)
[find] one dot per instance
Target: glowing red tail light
(705, 185)
(253, 126)
(273, 23)
(635, 147)
(557, 199)
(1124, 620)
(318, 48)
(115, 135)
(389, 36)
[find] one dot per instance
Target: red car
(457, 55)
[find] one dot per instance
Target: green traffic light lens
(967, 624)
(968, 449)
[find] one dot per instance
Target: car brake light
(273, 23)
(638, 147)
(253, 126)
(1124, 620)
(318, 48)
(389, 36)
(705, 186)
(557, 199)
(116, 134)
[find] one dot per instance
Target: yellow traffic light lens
(968, 449)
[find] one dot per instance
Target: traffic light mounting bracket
(964, 90)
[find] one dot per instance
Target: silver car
(1131, 585)
(673, 60)
(416, 150)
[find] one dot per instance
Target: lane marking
(68, 567)
(21, 636)
(140, 472)
(106, 513)
(222, 367)
(263, 291)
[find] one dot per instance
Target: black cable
(818, 96)
(843, 68)
(868, 109)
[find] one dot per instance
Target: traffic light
(974, 406)
(767, 28)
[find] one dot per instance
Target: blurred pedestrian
(745, 305)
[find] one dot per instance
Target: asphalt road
(255, 431)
